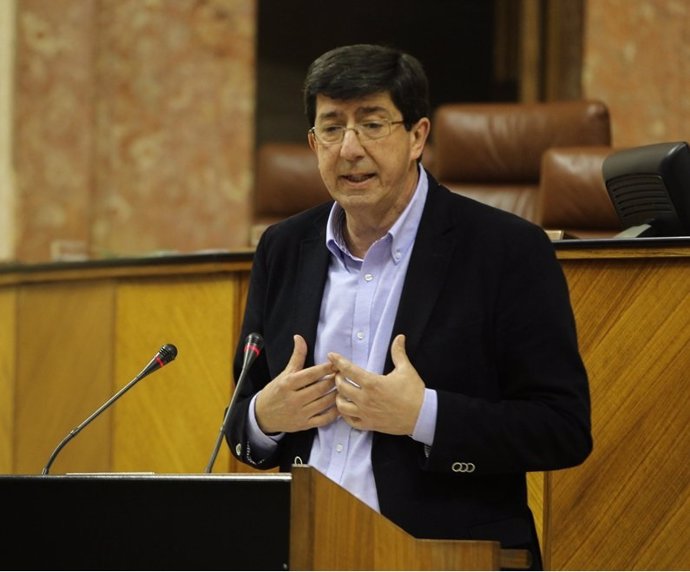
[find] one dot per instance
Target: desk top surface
(162, 263)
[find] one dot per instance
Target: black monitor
(650, 189)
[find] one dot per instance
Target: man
(420, 347)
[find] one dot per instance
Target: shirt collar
(401, 235)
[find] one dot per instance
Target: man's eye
(330, 129)
(373, 125)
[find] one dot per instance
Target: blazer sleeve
(286, 281)
(513, 392)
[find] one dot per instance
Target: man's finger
(398, 352)
(354, 374)
(299, 354)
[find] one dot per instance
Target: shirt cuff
(262, 443)
(425, 428)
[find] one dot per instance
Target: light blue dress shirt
(358, 309)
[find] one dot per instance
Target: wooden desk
(73, 334)
(627, 507)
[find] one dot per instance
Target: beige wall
(637, 59)
(7, 188)
(135, 125)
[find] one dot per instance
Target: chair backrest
(287, 182)
(572, 194)
(492, 151)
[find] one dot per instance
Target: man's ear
(312, 141)
(419, 133)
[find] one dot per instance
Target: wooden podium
(332, 530)
(274, 521)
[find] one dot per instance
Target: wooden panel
(333, 530)
(64, 337)
(627, 506)
(7, 373)
(536, 497)
(530, 49)
(170, 421)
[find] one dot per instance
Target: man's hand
(298, 398)
(385, 403)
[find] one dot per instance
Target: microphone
(252, 348)
(164, 356)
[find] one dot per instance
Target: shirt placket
(361, 339)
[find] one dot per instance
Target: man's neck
(363, 228)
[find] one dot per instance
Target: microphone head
(252, 348)
(167, 353)
(254, 343)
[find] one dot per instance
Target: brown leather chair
(492, 151)
(572, 194)
(287, 181)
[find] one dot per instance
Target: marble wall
(637, 59)
(54, 136)
(7, 185)
(134, 126)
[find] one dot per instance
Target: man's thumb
(398, 353)
(299, 354)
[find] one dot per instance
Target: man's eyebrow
(360, 111)
(371, 109)
(329, 115)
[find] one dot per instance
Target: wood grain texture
(7, 374)
(627, 506)
(74, 336)
(333, 530)
(537, 498)
(64, 369)
(80, 337)
(171, 424)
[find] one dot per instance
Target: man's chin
(355, 199)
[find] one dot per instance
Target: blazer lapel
(426, 275)
(311, 281)
(427, 271)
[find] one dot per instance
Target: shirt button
(360, 335)
(368, 277)
(339, 448)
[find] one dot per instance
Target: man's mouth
(358, 178)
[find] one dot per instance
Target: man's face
(372, 177)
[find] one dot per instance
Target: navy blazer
(486, 312)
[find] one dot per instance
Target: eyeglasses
(369, 130)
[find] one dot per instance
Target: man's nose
(351, 145)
